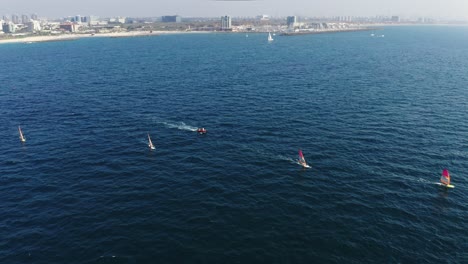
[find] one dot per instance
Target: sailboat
(301, 161)
(270, 39)
(21, 136)
(150, 144)
(445, 179)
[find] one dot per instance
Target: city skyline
(454, 9)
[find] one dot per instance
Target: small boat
(270, 38)
(301, 161)
(150, 143)
(21, 136)
(201, 130)
(445, 179)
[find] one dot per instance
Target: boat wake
(180, 125)
(428, 182)
(286, 158)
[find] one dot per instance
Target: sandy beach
(65, 37)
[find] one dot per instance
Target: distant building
(263, 17)
(34, 26)
(34, 17)
(24, 19)
(130, 20)
(395, 19)
(67, 26)
(117, 20)
(291, 21)
(5, 18)
(171, 19)
(93, 20)
(8, 27)
(15, 19)
(226, 23)
(77, 19)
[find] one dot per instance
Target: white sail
(269, 37)
(21, 136)
(150, 143)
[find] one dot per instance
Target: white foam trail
(427, 182)
(423, 180)
(286, 158)
(181, 126)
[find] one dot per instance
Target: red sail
(445, 178)
(301, 157)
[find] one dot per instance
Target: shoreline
(69, 37)
(76, 36)
(327, 31)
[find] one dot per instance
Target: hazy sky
(191, 8)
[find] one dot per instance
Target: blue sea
(377, 118)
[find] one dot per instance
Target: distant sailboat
(270, 39)
(302, 160)
(21, 136)
(445, 179)
(150, 144)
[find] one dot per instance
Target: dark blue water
(377, 118)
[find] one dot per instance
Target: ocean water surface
(378, 119)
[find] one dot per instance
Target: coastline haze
(454, 9)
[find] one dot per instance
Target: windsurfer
(445, 178)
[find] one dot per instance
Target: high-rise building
(15, 19)
(24, 19)
(34, 16)
(171, 19)
(291, 21)
(93, 20)
(34, 26)
(225, 23)
(395, 19)
(8, 27)
(77, 19)
(5, 18)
